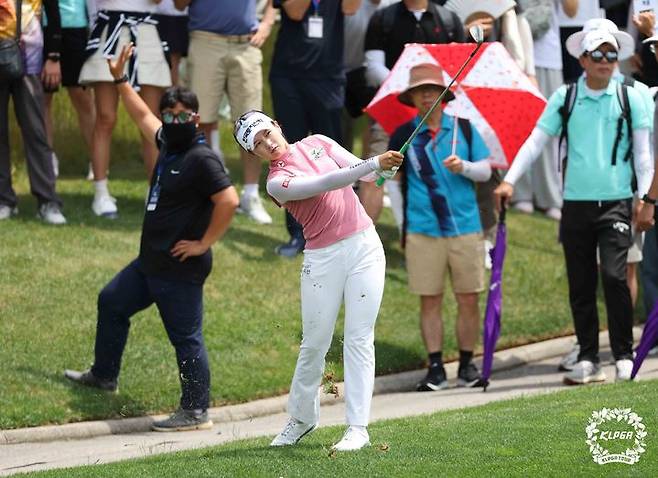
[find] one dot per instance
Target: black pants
(586, 224)
(181, 308)
(304, 106)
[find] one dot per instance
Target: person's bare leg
(468, 320)
(151, 96)
(175, 63)
(82, 100)
(431, 322)
(106, 99)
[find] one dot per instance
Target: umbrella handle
(503, 212)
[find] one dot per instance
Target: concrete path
(528, 377)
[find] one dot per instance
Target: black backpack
(625, 116)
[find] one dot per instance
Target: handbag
(11, 55)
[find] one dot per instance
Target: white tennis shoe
(292, 433)
(355, 438)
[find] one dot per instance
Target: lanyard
(316, 5)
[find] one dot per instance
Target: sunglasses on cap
(182, 117)
(597, 56)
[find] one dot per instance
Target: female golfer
(343, 260)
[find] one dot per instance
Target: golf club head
(477, 33)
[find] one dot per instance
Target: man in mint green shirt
(598, 170)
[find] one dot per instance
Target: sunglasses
(597, 56)
(182, 117)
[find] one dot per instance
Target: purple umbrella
(648, 340)
(494, 300)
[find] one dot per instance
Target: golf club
(477, 33)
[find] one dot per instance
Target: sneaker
(584, 372)
(7, 211)
(434, 380)
(292, 433)
(553, 213)
(50, 213)
(184, 420)
(88, 379)
(90, 173)
(355, 438)
(570, 359)
(624, 368)
(525, 207)
(291, 249)
(469, 376)
(253, 207)
(105, 206)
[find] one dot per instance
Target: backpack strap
(467, 131)
(622, 97)
(565, 113)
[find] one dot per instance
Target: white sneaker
(584, 372)
(525, 207)
(487, 256)
(90, 173)
(51, 214)
(7, 211)
(624, 369)
(253, 207)
(105, 206)
(354, 439)
(570, 359)
(292, 433)
(554, 213)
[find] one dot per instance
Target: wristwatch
(54, 56)
(123, 79)
(648, 200)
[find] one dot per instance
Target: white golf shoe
(253, 207)
(292, 433)
(584, 372)
(624, 369)
(105, 206)
(570, 359)
(355, 438)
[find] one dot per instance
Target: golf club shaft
(405, 146)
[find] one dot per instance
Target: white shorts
(152, 66)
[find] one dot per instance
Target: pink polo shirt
(330, 216)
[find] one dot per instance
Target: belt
(237, 38)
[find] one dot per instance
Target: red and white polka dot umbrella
(492, 92)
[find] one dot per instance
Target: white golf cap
(624, 42)
(248, 125)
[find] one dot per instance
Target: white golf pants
(351, 270)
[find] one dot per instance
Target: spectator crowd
(593, 60)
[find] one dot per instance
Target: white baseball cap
(624, 43)
(248, 125)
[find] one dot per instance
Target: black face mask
(178, 136)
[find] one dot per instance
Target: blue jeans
(181, 309)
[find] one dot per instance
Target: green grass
(50, 277)
(538, 436)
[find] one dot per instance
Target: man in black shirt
(307, 79)
(190, 206)
(390, 28)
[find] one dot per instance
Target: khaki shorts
(430, 259)
(152, 66)
(216, 65)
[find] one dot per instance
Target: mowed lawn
(538, 436)
(51, 277)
